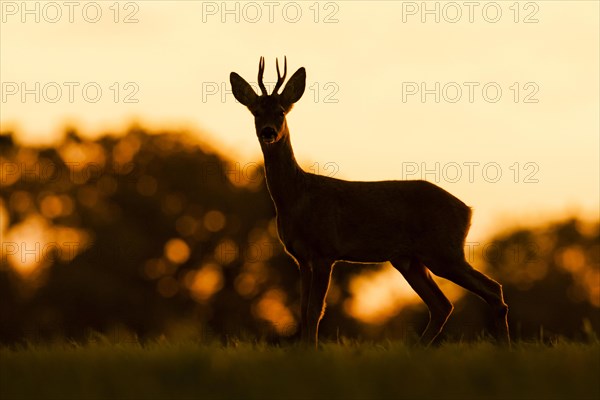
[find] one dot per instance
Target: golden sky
(517, 86)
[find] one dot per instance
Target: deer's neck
(285, 178)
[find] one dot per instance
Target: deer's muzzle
(268, 134)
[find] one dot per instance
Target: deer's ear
(294, 88)
(242, 91)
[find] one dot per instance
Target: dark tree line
(167, 237)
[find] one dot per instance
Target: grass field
(163, 370)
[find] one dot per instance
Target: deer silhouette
(415, 225)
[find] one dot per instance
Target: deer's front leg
(320, 277)
(306, 275)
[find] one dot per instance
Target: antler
(261, 72)
(280, 79)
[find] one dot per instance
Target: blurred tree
(149, 234)
(170, 228)
(551, 281)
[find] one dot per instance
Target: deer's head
(269, 110)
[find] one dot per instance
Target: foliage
(145, 234)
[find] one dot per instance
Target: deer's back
(374, 221)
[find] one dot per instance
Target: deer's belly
(328, 242)
(372, 251)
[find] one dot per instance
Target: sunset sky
(515, 133)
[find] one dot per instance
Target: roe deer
(415, 225)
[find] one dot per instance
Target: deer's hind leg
(440, 308)
(463, 274)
